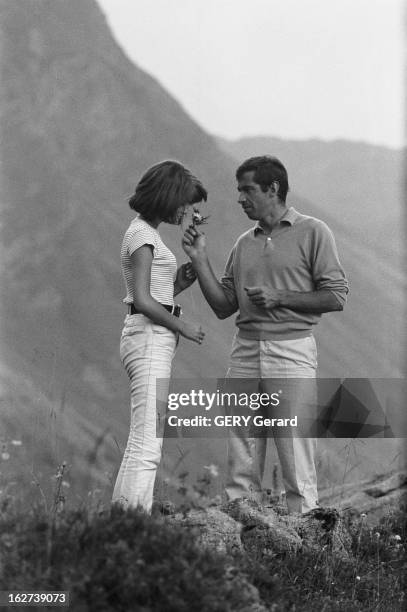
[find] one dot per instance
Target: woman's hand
(192, 331)
(185, 277)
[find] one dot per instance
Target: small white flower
(363, 515)
(377, 535)
(396, 537)
(357, 577)
(16, 442)
(212, 469)
(197, 218)
(5, 456)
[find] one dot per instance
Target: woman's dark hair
(163, 189)
(267, 169)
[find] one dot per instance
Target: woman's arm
(141, 261)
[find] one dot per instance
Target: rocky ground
(263, 529)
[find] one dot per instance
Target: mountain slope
(363, 185)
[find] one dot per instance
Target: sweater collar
(290, 217)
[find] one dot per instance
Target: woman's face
(180, 213)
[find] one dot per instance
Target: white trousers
(146, 350)
(268, 360)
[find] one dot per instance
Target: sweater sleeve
(327, 271)
(228, 284)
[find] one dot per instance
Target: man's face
(256, 203)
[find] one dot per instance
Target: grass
(115, 560)
(111, 559)
(375, 579)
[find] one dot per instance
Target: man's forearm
(211, 287)
(312, 301)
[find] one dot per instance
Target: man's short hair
(165, 187)
(267, 170)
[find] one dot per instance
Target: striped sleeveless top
(163, 267)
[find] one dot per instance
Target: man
(281, 275)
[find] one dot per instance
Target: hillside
(362, 184)
(79, 124)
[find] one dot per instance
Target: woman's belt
(174, 309)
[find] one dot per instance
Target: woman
(152, 325)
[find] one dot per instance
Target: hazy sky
(288, 68)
